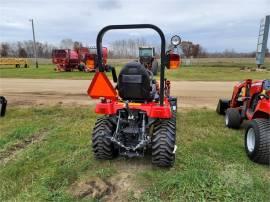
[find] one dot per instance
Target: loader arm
(237, 90)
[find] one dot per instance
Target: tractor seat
(134, 83)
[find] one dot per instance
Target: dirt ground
(191, 94)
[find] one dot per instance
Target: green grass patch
(213, 73)
(43, 72)
(197, 72)
(211, 164)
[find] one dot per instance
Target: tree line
(124, 48)
(25, 49)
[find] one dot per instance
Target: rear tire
(257, 141)
(155, 67)
(222, 106)
(102, 146)
(232, 118)
(163, 143)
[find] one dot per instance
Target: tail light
(174, 61)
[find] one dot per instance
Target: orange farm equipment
(90, 59)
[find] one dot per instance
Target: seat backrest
(134, 83)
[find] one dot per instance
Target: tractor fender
(262, 109)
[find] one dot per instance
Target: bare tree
(66, 43)
(77, 45)
(28, 45)
(193, 50)
(21, 50)
(187, 48)
(126, 48)
(4, 49)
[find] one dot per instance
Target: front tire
(233, 118)
(257, 141)
(163, 143)
(102, 146)
(222, 106)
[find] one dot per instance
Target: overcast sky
(215, 24)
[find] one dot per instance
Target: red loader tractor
(250, 101)
(65, 59)
(138, 114)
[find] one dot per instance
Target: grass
(211, 164)
(211, 71)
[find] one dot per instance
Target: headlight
(176, 40)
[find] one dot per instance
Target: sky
(215, 24)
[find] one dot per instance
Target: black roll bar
(135, 26)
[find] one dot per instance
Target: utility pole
(34, 39)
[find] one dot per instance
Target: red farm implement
(250, 101)
(65, 59)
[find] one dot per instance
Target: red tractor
(139, 114)
(251, 101)
(65, 59)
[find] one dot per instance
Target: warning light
(174, 61)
